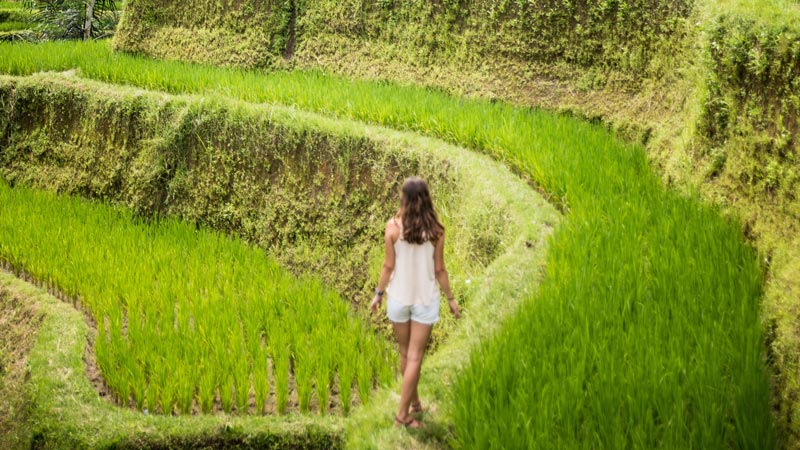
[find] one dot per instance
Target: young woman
(413, 274)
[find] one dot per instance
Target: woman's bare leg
(402, 332)
(417, 342)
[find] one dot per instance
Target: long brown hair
(420, 223)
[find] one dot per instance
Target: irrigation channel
(644, 330)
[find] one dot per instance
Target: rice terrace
(193, 197)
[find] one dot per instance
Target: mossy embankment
(710, 87)
(228, 165)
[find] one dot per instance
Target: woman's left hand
(454, 308)
(376, 303)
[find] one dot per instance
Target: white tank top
(413, 281)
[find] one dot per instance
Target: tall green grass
(645, 333)
(191, 318)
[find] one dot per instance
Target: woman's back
(414, 279)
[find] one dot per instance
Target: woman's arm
(442, 277)
(388, 264)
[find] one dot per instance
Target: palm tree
(74, 19)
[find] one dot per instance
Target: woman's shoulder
(393, 222)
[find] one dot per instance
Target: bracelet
(379, 293)
(450, 299)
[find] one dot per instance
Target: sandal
(410, 422)
(416, 408)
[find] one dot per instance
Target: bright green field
(645, 333)
(185, 315)
(14, 26)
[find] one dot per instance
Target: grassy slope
(752, 171)
(487, 188)
(19, 322)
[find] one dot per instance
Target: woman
(414, 264)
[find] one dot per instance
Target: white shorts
(424, 314)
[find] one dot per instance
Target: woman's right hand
(376, 303)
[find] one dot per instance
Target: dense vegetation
(52, 403)
(589, 34)
(632, 264)
(279, 187)
(709, 85)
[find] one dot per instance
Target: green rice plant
(138, 387)
(324, 379)
(158, 381)
(364, 378)
(280, 370)
(169, 396)
(261, 380)
(346, 371)
(303, 368)
(186, 390)
(207, 387)
(242, 385)
(151, 397)
(226, 392)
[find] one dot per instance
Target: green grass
(646, 329)
(14, 26)
(11, 5)
(652, 342)
(185, 315)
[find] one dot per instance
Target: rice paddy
(190, 320)
(645, 333)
